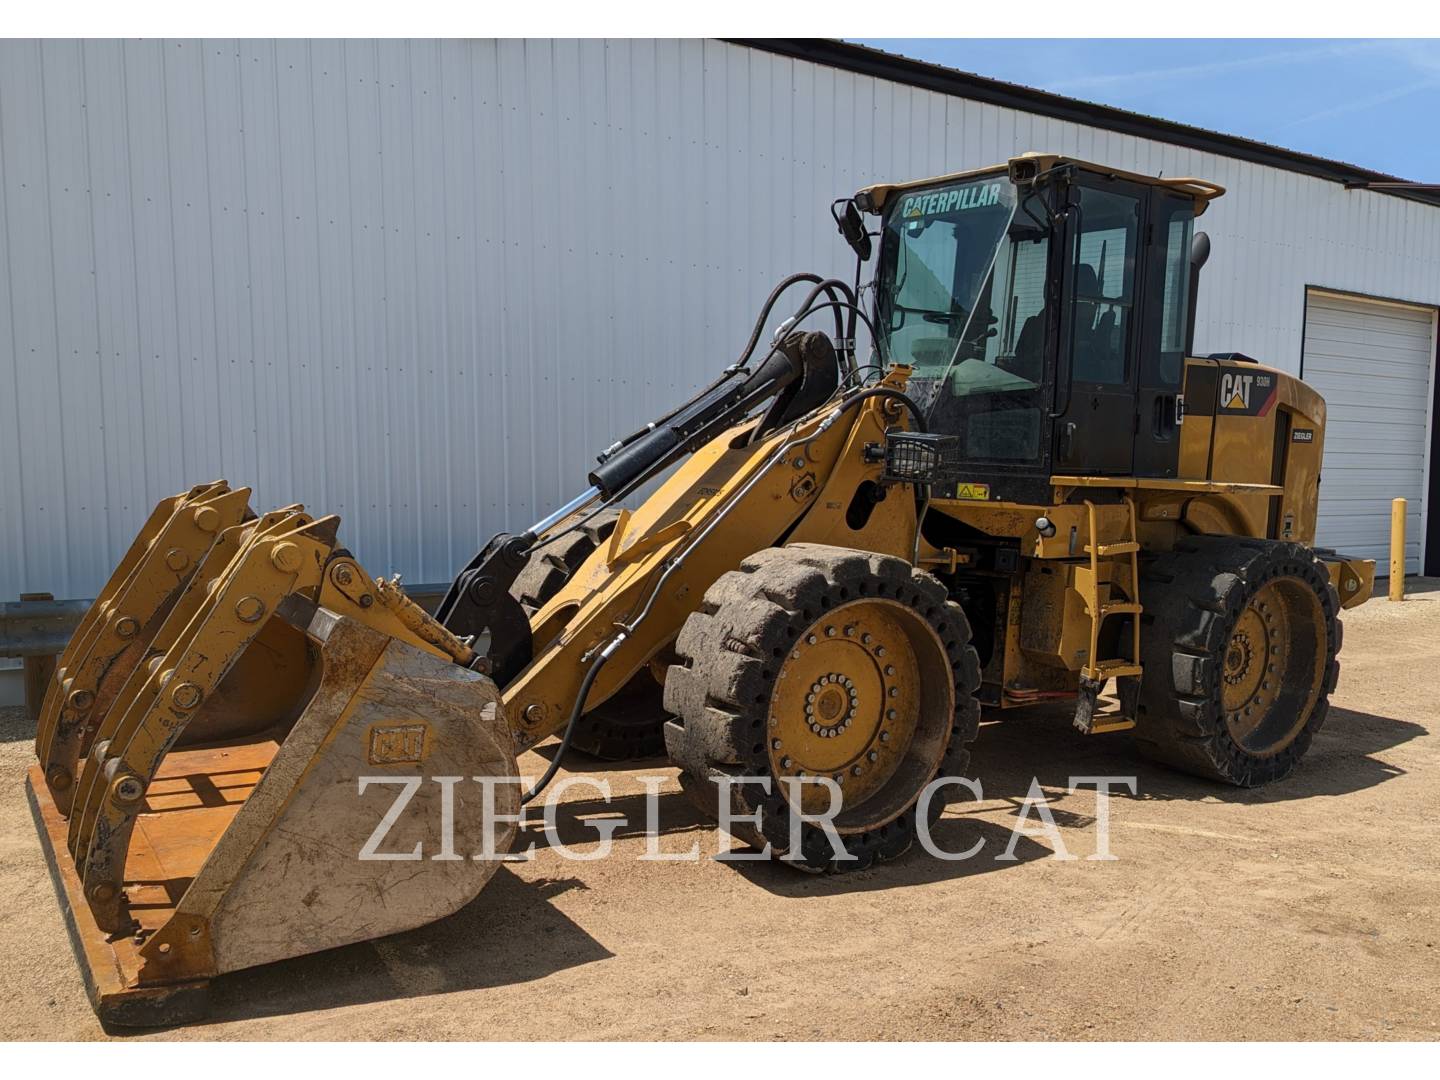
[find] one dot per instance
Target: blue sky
(1371, 103)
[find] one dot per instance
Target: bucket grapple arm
(253, 713)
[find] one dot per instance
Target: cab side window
(1105, 257)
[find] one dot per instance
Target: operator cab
(1045, 308)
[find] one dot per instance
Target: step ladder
(1099, 670)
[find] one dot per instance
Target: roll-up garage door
(1373, 363)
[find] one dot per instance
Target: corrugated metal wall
(418, 284)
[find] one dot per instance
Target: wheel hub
(831, 705)
(1238, 658)
(847, 702)
(1257, 644)
(1273, 666)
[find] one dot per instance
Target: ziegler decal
(1247, 393)
(1303, 434)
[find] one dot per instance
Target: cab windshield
(962, 300)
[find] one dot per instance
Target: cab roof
(1034, 162)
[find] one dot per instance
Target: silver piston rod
(587, 497)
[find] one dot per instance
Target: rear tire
(1238, 641)
(630, 724)
(815, 661)
(626, 727)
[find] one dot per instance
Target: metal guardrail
(37, 628)
(38, 625)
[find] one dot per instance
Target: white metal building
(420, 284)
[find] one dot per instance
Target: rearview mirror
(852, 227)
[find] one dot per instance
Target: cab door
(1096, 415)
(1165, 298)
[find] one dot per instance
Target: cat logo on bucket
(397, 744)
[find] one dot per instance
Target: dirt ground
(1306, 910)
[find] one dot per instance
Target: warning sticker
(972, 492)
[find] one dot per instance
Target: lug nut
(884, 736)
(890, 670)
(774, 744)
(856, 771)
(872, 757)
(829, 631)
(785, 763)
(810, 639)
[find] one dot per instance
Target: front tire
(813, 661)
(1238, 641)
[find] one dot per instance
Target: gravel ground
(1306, 910)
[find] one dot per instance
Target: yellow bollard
(1397, 549)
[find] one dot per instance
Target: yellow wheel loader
(1030, 490)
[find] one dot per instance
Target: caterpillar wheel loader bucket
(234, 721)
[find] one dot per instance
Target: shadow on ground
(1039, 742)
(509, 934)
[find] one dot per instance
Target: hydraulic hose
(576, 711)
(807, 308)
(770, 303)
(891, 392)
(738, 367)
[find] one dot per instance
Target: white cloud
(1316, 54)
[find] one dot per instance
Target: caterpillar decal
(1247, 393)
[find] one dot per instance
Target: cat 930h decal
(1246, 393)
